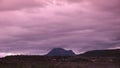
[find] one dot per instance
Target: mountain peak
(60, 52)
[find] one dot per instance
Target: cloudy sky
(36, 26)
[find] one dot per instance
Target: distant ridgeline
(102, 53)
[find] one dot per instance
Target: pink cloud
(80, 25)
(21, 4)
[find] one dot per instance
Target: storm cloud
(36, 26)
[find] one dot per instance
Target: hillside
(102, 53)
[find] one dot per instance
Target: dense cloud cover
(36, 26)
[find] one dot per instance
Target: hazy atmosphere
(34, 27)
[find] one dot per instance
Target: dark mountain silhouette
(62, 55)
(60, 58)
(60, 52)
(102, 53)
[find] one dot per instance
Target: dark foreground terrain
(90, 59)
(58, 65)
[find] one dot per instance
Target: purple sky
(36, 26)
